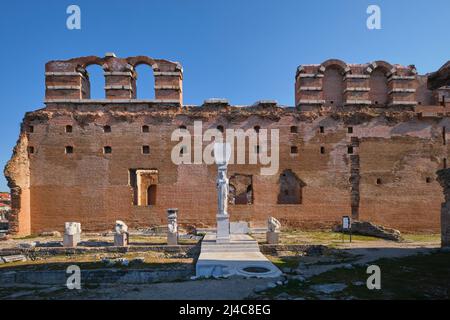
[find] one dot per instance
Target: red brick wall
(92, 188)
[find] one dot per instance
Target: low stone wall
(99, 276)
(274, 249)
(48, 251)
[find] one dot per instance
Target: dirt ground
(298, 269)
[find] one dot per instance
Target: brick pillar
(169, 86)
(402, 90)
(444, 180)
(308, 87)
(355, 178)
(120, 84)
(356, 89)
(62, 85)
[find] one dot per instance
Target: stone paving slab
(241, 256)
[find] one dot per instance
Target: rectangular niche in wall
(291, 188)
(144, 183)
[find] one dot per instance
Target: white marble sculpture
(222, 190)
(273, 230)
(121, 227)
(121, 236)
(172, 227)
(72, 228)
(172, 220)
(273, 225)
(222, 153)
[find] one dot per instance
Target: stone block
(172, 238)
(272, 237)
(71, 240)
(223, 228)
(121, 240)
(240, 227)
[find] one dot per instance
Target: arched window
(241, 189)
(333, 86)
(378, 93)
(96, 87)
(291, 188)
(151, 195)
(145, 82)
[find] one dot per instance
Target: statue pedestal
(121, 240)
(71, 240)
(272, 237)
(172, 238)
(223, 228)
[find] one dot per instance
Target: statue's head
(121, 227)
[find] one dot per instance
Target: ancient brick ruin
(362, 139)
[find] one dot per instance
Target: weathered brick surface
(389, 178)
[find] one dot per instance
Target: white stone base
(227, 259)
(71, 241)
(172, 238)
(121, 240)
(272, 237)
(223, 228)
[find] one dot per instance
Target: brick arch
(333, 81)
(138, 60)
(91, 60)
(336, 63)
(379, 72)
(384, 66)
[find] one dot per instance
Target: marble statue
(273, 225)
(172, 226)
(121, 237)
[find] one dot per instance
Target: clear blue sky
(242, 50)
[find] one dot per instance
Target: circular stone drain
(256, 270)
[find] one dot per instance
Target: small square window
(349, 149)
(30, 129)
(379, 181)
(145, 128)
(107, 150)
(428, 179)
(294, 150)
(69, 149)
(146, 149)
(321, 129)
(69, 129)
(350, 130)
(294, 129)
(30, 150)
(107, 129)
